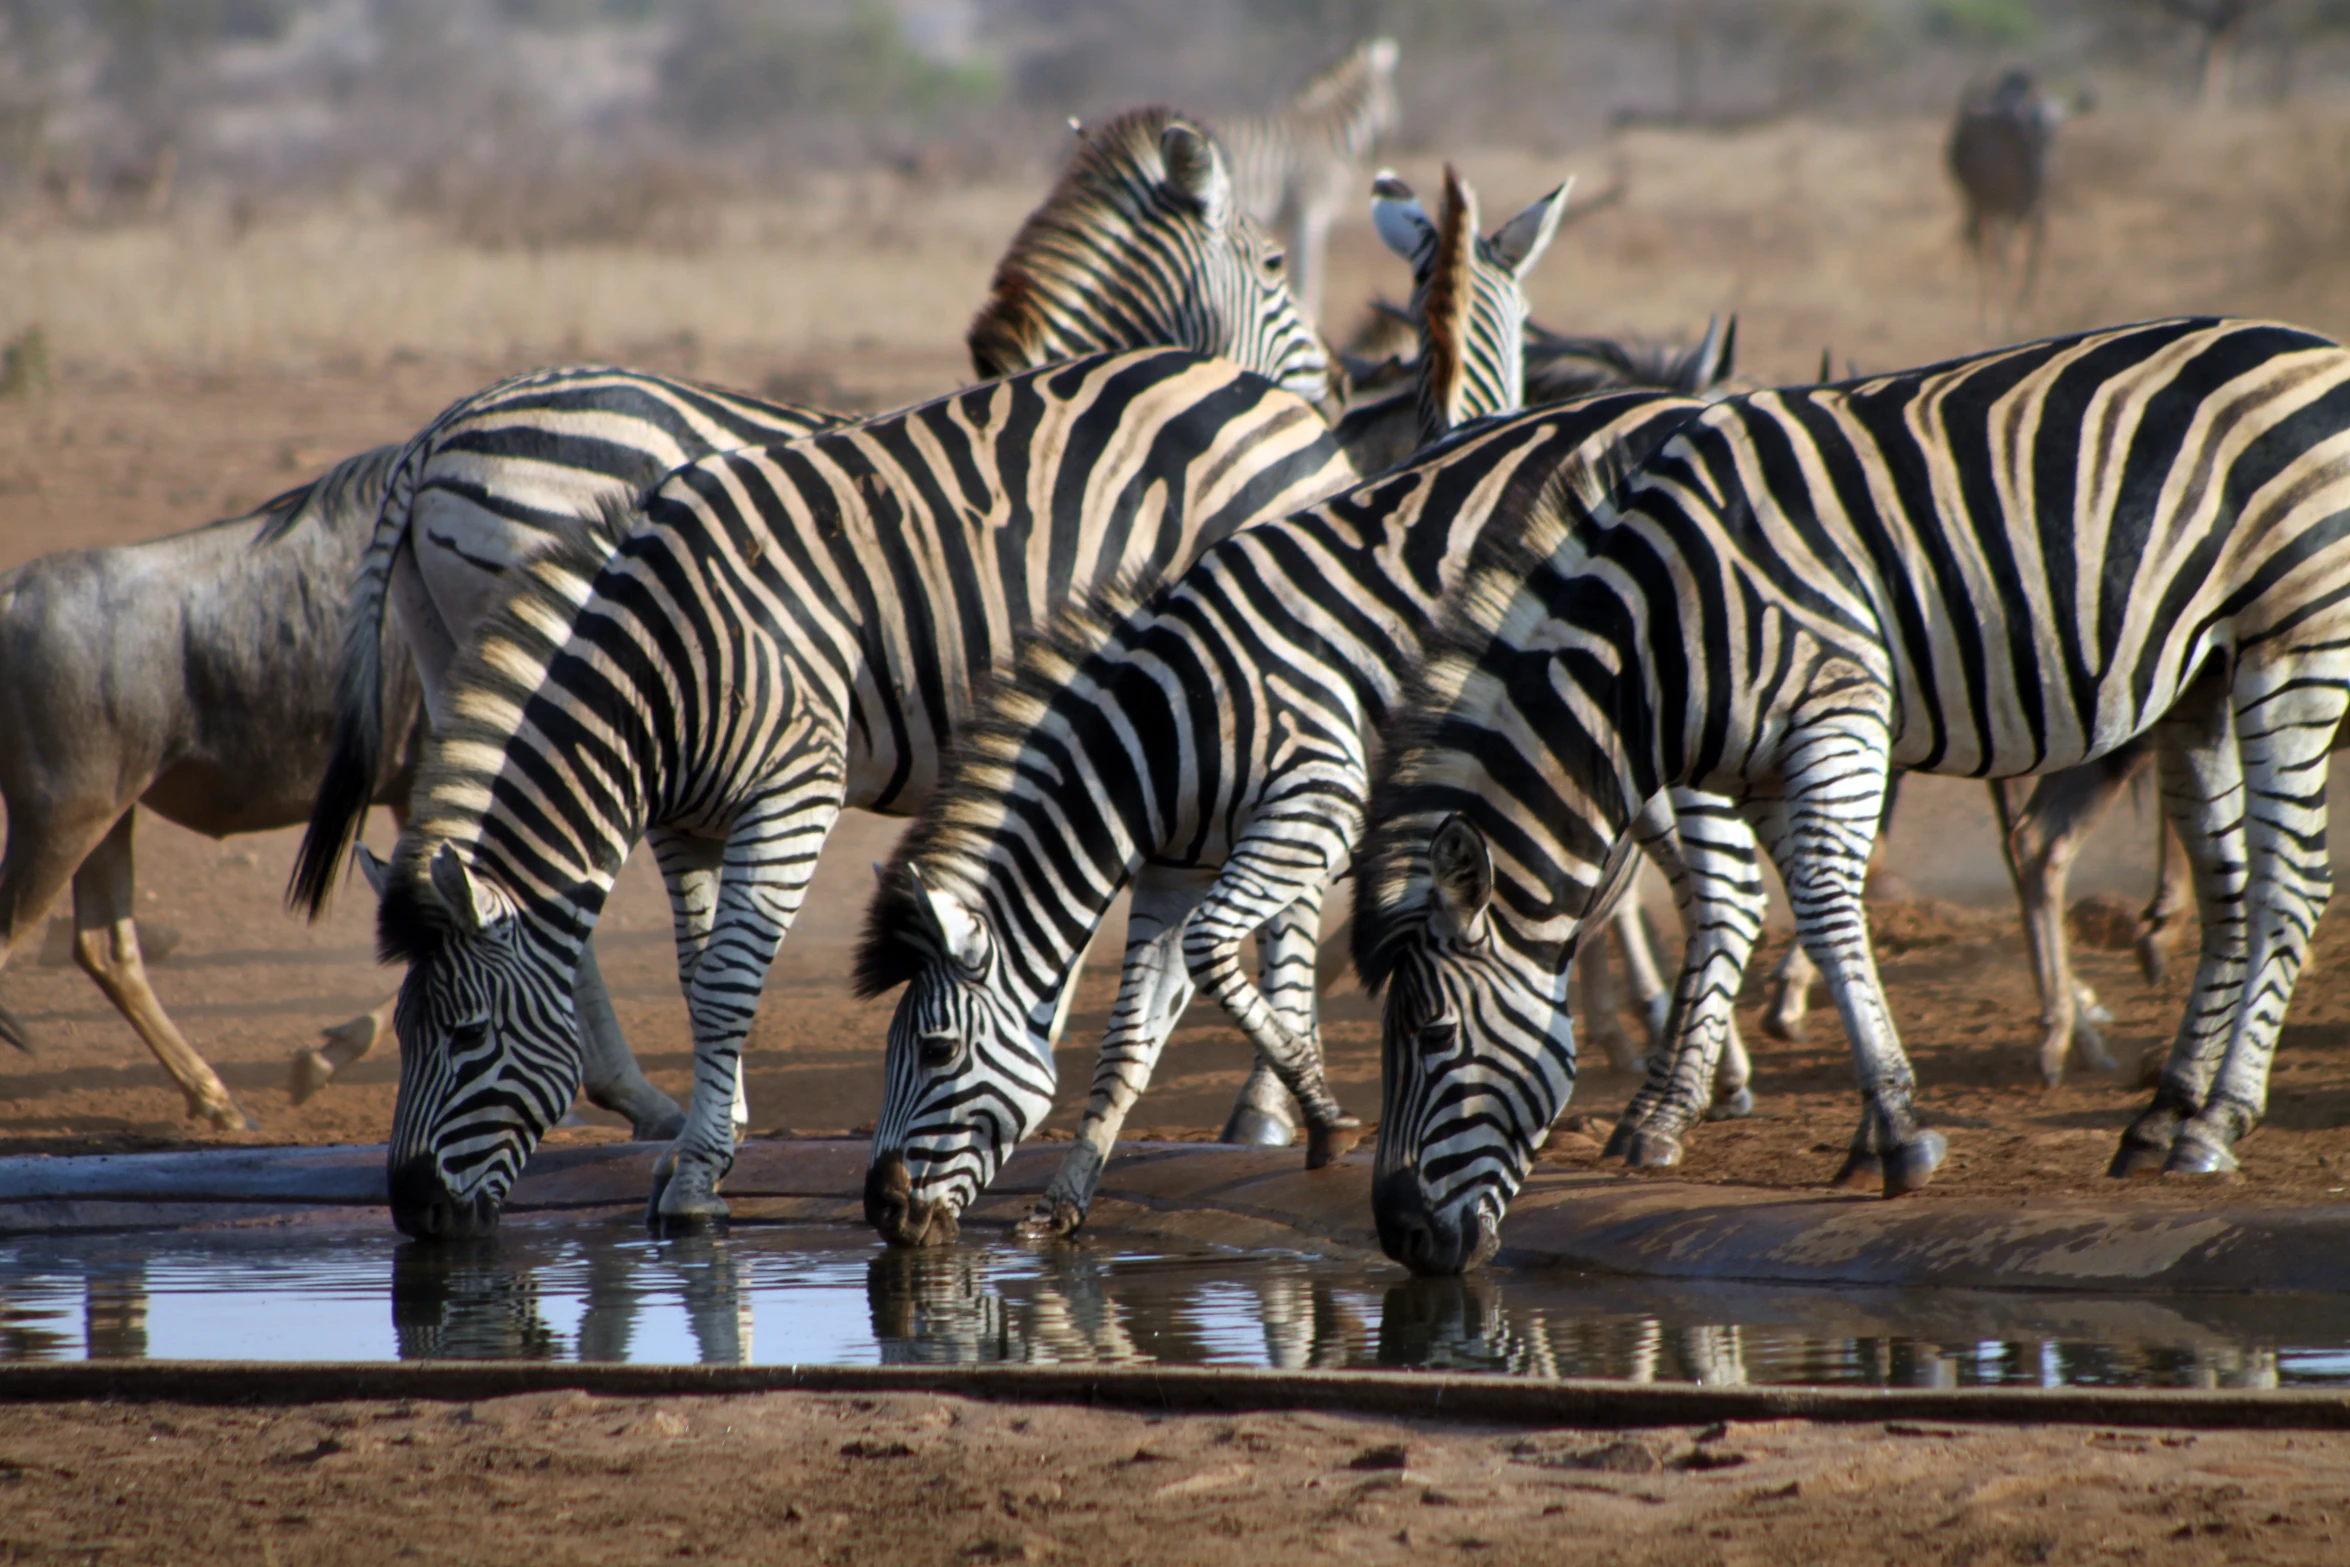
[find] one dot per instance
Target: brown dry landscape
(198, 367)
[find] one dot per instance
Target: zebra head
(1468, 294)
(970, 1060)
(1478, 1049)
(489, 1051)
(1143, 244)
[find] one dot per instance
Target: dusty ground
(571, 1478)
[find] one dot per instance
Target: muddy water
(776, 1295)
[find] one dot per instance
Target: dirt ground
(910, 1478)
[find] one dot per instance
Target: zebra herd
(1148, 608)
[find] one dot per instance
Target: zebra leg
(2039, 838)
(769, 857)
(1710, 859)
(1820, 834)
(1286, 972)
(1596, 982)
(2203, 796)
(1266, 874)
(1651, 997)
(610, 1077)
(1153, 990)
(2286, 713)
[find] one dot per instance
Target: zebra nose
(902, 1218)
(425, 1209)
(1413, 1233)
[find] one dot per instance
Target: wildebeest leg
(43, 850)
(2040, 837)
(106, 945)
(2171, 886)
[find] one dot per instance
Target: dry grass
(1819, 235)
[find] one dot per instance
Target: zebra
(1998, 154)
(787, 632)
(192, 675)
(1140, 244)
(1297, 168)
(1207, 741)
(2001, 565)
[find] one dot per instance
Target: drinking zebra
(786, 632)
(1139, 245)
(1208, 742)
(1999, 566)
(1295, 170)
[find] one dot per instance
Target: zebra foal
(790, 631)
(2000, 566)
(1208, 742)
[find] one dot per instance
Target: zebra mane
(978, 773)
(1420, 774)
(352, 488)
(1112, 188)
(1445, 302)
(490, 686)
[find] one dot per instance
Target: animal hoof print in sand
(1909, 1167)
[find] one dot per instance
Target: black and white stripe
(2000, 566)
(791, 630)
(1295, 170)
(1208, 744)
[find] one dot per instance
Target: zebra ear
(957, 928)
(1521, 241)
(1463, 871)
(1401, 221)
(378, 874)
(1195, 170)
(476, 910)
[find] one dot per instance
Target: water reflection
(818, 1296)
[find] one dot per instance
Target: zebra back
(1142, 242)
(533, 460)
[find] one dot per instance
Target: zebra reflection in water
(482, 1301)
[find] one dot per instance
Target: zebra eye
(1276, 262)
(469, 1036)
(1440, 1037)
(939, 1052)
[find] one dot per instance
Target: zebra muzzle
(425, 1209)
(1430, 1243)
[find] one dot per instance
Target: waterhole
(835, 1296)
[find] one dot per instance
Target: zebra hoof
(1861, 1168)
(1737, 1107)
(1251, 1127)
(1647, 1150)
(1909, 1167)
(2136, 1159)
(1790, 1029)
(223, 1117)
(1620, 1139)
(685, 1198)
(2197, 1152)
(1053, 1220)
(1325, 1143)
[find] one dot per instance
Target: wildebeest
(193, 675)
(1998, 153)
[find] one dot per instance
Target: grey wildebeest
(194, 675)
(1998, 154)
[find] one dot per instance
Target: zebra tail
(355, 753)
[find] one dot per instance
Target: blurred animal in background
(1998, 154)
(194, 675)
(1296, 170)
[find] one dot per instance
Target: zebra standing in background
(1999, 566)
(1295, 170)
(789, 631)
(1208, 743)
(1998, 154)
(1139, 245)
